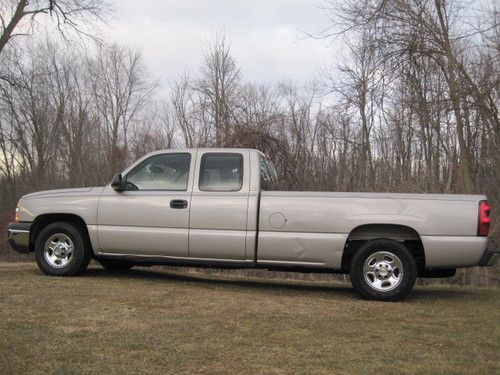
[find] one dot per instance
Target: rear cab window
(221, 172)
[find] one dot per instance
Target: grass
(157, 321)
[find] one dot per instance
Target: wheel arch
(41, 221)
(396, 232)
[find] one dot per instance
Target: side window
(221, 172)
(265, 178)
(160, 172)
(268, 175)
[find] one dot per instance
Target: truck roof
(214, 149)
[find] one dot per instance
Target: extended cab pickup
(218, 207)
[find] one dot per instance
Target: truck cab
(199, 204)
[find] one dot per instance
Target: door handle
(178, 203)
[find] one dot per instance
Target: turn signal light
(484, 222)
(16, 216)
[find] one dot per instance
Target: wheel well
(401, 233)
(42, 221)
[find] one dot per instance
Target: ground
(164, 321)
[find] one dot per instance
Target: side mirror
(117, 183)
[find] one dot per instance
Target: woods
(411, 105)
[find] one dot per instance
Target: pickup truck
(219, 208)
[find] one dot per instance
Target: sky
(267, 37)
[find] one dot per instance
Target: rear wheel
(62, 250)
(115, 265)
(383, 270)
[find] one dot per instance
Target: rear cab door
(224, 202)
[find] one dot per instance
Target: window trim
(161, 154)
(202, 164)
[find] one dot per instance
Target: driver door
(151, 217)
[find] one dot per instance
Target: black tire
(400, 288)
(115, 265)
(81, 253)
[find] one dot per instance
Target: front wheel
(61, 250)
(383, 270)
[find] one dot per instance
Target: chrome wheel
(58, 250)
(383, 271)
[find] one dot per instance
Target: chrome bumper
(489, 258)
(19, 237)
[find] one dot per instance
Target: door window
(160, 172)
(221, 172)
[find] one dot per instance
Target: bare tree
(30, 116)
(74, 118)
(403, 31)
(359, 83)
(121, 90)
(183, 104)
(217, 85)
(19, 17)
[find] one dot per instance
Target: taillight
(483, 226)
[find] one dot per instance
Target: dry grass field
(164, 321)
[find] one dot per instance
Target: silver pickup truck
(219, 208)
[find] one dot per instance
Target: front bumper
(19, 236)
(489, 258)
